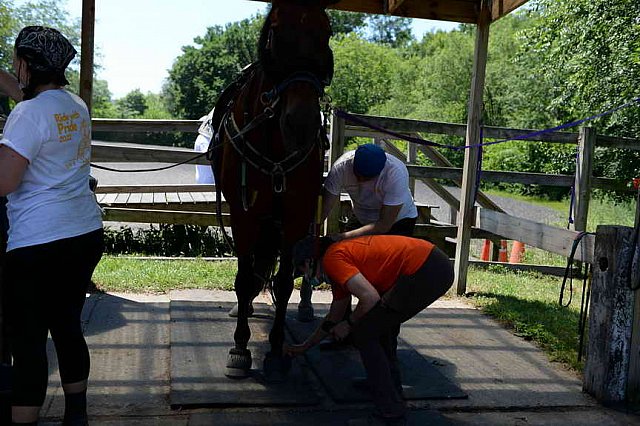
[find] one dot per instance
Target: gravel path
(513, 207)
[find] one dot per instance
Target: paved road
(185, 174)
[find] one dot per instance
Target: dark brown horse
(268, 163)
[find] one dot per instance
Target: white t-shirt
(390, 187)
(204, 174)
(53, 201)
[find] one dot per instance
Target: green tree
(585, 54)
(133, 104)
(199, 75)
(389, 30)
(363, 73)
(347, 22)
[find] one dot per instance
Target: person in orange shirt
(394, 278)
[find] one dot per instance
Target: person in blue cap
(378, 185)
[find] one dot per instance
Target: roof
(464, 11)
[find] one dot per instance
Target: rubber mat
(337, 369)
(201, 336)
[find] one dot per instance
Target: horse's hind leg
(239, 358)
(276, 365)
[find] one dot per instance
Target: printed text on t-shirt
(66, 125)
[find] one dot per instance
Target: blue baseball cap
(369, 160)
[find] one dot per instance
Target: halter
(277, 170)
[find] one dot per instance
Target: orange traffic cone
(517, 252)
(486, 248)
(502, 253)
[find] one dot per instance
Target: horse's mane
(263, 55)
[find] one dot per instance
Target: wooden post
(86, 51)
(412, 154)
(335, 151)
(633, 382)
(584, 166)
(470, 172)
(4, 226)
(609, 373)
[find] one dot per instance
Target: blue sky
(138, 40)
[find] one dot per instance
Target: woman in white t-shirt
(55, 226)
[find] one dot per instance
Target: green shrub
(167, 240)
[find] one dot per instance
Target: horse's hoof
(305, 313)
(238, 363)
(276, 367)
(233, 313)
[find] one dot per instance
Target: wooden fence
(617, 307)
(488, 222)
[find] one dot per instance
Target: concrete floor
(509, 381)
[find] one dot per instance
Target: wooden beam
(392, 6)
(120, 125)
(441, 160)
(500, 8)
(470, 173)
(535, 234)
(582, 186)
(135, 189)
(86, 51)
(408, 126)
(336, 149)
(465, 11)
(163, 216)
(110, 152)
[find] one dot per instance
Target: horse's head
(295, 55)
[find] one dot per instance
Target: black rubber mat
(337, 369)
(201, 336)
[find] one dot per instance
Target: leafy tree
(133, 104)
(200, 74)
(347, 22)
(389, 30)
(363, 73)
(585, 54)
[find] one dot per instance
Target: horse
(268, 160)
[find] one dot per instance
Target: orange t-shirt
(382, 259)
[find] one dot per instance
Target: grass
(159, 276)
(528, 304)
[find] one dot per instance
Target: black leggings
(46, 286)
(376, 334)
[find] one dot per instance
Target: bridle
(277, 170)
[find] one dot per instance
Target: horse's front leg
(239, 358)
(276, 365)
